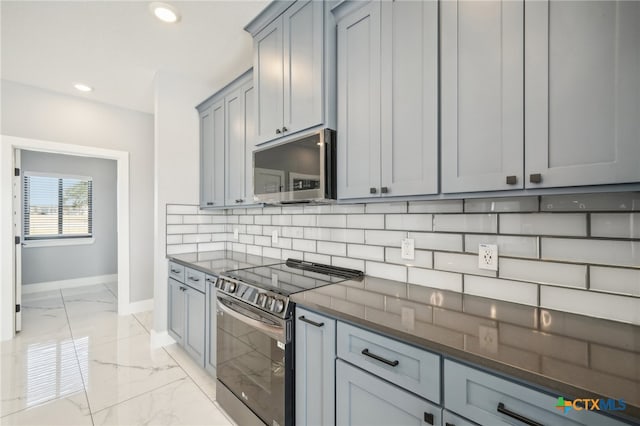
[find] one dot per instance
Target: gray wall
(42, 264)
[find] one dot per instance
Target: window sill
(58, 242)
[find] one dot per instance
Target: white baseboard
(139, 306)
(160, 339)
(76, 282)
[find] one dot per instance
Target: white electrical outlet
(407, 249)
(274, 237)
(236, 233)
(488, 257)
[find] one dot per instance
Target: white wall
(34, 113)
(176, 166)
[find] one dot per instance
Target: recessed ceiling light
(164, 12)
(83, 87)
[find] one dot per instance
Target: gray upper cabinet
(582, 93)
(293, 75)
(482, 95)
(212, 141)
(387, 99)
(239, 142)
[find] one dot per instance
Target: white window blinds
(57, 206)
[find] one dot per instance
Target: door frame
(8, 145)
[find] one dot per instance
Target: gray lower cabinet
(364, 399)
(210, 325)
(450, 419)
(315, 350)
(186, 312)
(492, 400)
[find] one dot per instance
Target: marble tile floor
(77, 362)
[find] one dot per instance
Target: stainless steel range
(255, 337)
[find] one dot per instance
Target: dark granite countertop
(216, 262)
(573, 355)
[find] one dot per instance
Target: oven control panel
(260, 298)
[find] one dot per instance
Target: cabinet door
(269, 81)
(303, 54)
(176, 317)
(236, 148)
(206, 157)
(582, 92)
(409, 123)
(359, 103)
(315, 354)
(364, 399)
(194, 324)
(250, 140)
(482, 95)
(210, 326)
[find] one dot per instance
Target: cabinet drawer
(364, 399)
(176, 271)
(194, 279)
(450, 419)
(407, 366)
(478, 396)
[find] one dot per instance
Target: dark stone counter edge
(194, 266)
(544, 383)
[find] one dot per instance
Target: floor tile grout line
(190, 376)
(75, 350)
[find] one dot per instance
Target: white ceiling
(117, 46)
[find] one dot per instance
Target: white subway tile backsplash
(410, 222)
(231, 219)
(182, 248)
(262, 220)
(613, 201)
(262, 240)
(287, 254)
(212, 228)
(281, 220)
(615, 225)
(220, 219)
(274, 253)
(384, 238)
(221, 237)
(444, 206)
(318, 258)
(562, 274)
(254, 229)
(347, 262)
(486, 223)
(283, 243)
(292, 209)
(238, 247)
(326, 247)
(245, 238)
(510, 291)
(174, 239)
(347, 208)
(272, 210)
(303, 245)
(196, 219)
(317, 233)
(320, 209)
(609, 306)
(303, 220)
(292, 232)
(347, 235)
(568, 224)
(603, 252)
(246, 219)
(196, 238)
(384, 270)
(255, 250)
(438, 279)
(456, 262)
(268, 230)
(506, 204)
(615, 280)
(182, 209)
(435, 241)
(366, 221)
(397, 207)
(331, 221)
(182, 229)
(367, 252)
(422, 258)
(508, 245)
(174, 219)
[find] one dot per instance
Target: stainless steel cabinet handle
(535, 178)
(308, 321)
(366, 352)
(194, 279)
(428, 417)
(384, 190)
(239, 200)
(278, 131)
(372, 190)
(284, 129)
(503, 410)
(512, 180)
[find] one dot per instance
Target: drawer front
(450, 419)
(176, 271)
(478, 396)
(364, 399)
(194, 279)
(406, 366)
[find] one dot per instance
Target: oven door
(254, 356)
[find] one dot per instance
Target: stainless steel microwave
(301, 170)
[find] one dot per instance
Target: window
(57, 206)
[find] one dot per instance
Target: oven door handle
(271, 330)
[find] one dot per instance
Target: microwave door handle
(271, 330)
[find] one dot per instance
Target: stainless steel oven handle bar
(272, 331)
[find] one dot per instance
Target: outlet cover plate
(407, 249)
(488, 257)
(236, 233)
(274, 237)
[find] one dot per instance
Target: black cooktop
(293, 276)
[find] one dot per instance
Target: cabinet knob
(535, 178)
(278, 131)
(239, 200)
(284, 129)
(384, 190)
(372, 190)
(512, 180)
